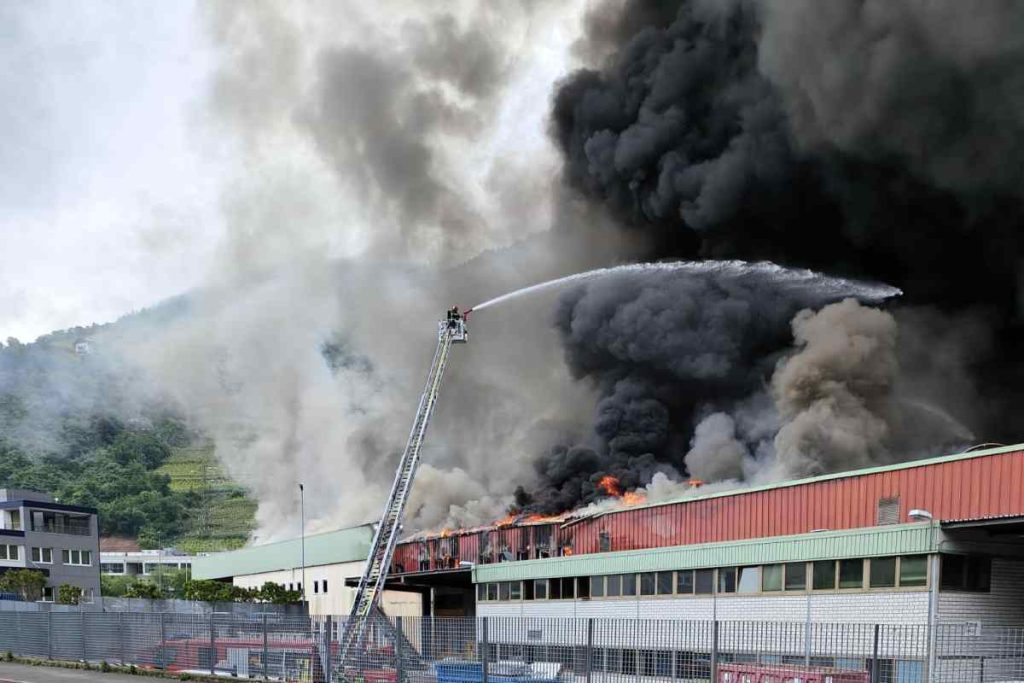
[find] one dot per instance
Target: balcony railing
(73, 527)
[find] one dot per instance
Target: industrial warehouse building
(330, 559)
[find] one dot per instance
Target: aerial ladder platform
(366, 616)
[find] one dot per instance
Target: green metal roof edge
(344, 545)
(896, 539)
(739, 490)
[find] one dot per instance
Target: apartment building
(61, 541)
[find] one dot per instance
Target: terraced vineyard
(224, 517)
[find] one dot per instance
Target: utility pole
(302, 536)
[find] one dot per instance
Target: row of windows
(147, 568)
(320, 586)
(853, 574)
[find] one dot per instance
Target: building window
(503, 590)
(704, 581)
(515, 590)
(796, 576)
(727, 580)
(492, 591)
(527, 590)
(42, 555)
(665, 580)
(684, 582)
(771, 578)
(614, 586)
(568, 588)
(88, 596)
(749, 580)
(628, 584)
(888, 511)
(324, 589)
(883, 572)
(966, 573)
(77, 558)
(481, 592)
(540, 589)
(9, 552)
(47, 594)
(597, 586)
(604, 542)
(914, 570)
(851, 573)
(823, 575)
(647, 583)
(316, 587)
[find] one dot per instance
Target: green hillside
(222, 516)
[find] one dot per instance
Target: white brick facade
(890, 607)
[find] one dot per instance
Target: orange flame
(445, 533)
(610, 485)
(633, 498)
(507, 520)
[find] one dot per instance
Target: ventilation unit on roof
(888, 511)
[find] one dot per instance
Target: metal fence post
(163, 643)
(328, 630)
(266, 650)
(484, 652)
(213, 643)
(874, 655)
(85, 650)
(714, 650)
(49, 635)
(590, 647)
(398, 649)
(120, 634)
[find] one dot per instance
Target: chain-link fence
(522, 650)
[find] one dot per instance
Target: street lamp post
(302, 542)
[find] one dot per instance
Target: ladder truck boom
(451, 331)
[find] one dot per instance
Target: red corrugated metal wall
(960, 489)
(985, 486)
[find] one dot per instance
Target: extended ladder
(388, 529)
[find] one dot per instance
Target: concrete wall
(339, 598)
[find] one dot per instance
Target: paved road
(21, 673)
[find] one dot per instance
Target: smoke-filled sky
(338, 173)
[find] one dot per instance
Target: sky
(107, 202)
(125, 177)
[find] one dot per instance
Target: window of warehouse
(540, 589)
(704, 581)
(914, 570)
(325, 586)
(665, 580)
(504, 589)
(824, 575)
(597, 586)
(796, 576)
(628, 584)
(613, 585)
(515, 590)
(727, 580)
(749, 580)
(771, 578)
(8, 552)
(647, 583)
(45, 556)
(883, 572)
(583, 588)
(851, 573)
(684, 582)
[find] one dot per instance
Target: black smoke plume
(865, 138)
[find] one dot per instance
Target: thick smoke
(868, 138)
